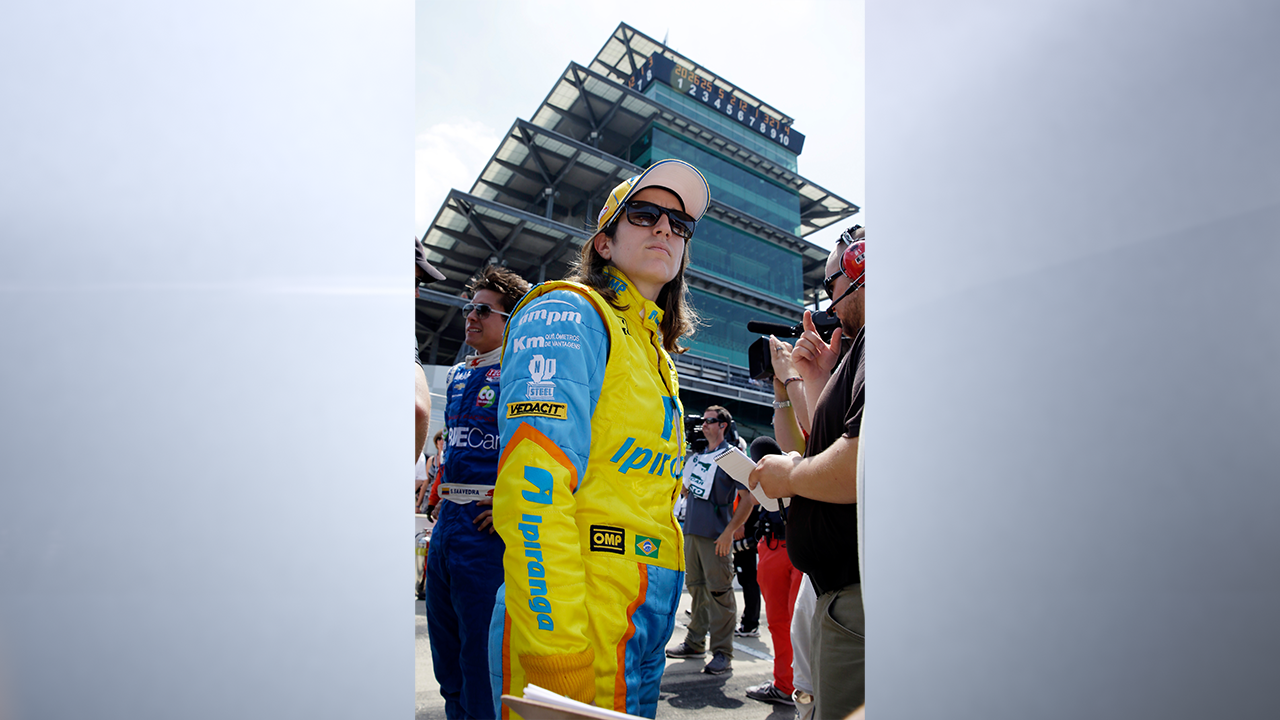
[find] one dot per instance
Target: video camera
(760, 360)
(696, 441)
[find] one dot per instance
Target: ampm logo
(606, 538)
(647, 546)
(555, 411)
(537, 312)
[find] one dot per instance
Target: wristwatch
(779, 404)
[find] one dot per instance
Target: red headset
(852, 266)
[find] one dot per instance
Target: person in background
(592, 447)
(791, 423)
(744, 566)
(430, 473)
(710, 524)
(424, 274)
(464, 566)
(822, 524)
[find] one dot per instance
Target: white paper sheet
(739, 466)
(533, 692)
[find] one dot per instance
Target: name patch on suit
(555, 411)
(606, 538)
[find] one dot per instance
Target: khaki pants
(838, 653)
(709, 578)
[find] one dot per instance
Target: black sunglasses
(830, 284)
(646, 214)
(847, 266)
(482, 310)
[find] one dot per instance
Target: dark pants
(464, 570)
(745, 563)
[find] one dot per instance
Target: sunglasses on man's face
(482, 310)
(830, 284)
(647, 214)
(850, 264)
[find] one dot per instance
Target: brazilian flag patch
(647, 546)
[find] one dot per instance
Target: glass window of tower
(725, 336)
(731, 183)
(735, 255)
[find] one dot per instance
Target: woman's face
(650, 256)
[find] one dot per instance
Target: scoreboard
(661, 67)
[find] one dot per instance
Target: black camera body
(693, 433)
(696, 441)
(760, 360)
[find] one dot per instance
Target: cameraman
(821, 530)
(708, 541)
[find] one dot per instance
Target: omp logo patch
(555, 411)
(647, 546)
(606, 538)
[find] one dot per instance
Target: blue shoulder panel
(552, 371)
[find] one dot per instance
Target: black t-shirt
(822, 538)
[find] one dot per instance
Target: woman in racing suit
(592, 447)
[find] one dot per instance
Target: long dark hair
(678, 317)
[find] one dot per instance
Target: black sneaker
(770, 694)
(684, 651)
(743, 632)
(719, 665)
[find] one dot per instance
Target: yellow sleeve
(533, 509)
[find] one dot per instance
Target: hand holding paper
(740, 467)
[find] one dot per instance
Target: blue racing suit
(464, 566)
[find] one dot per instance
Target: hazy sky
(481, 64)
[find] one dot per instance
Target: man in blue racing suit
(464, 567)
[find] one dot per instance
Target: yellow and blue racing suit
(592, 447)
